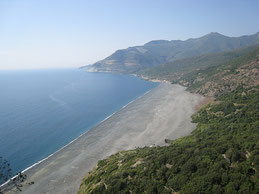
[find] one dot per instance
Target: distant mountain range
(157, 52)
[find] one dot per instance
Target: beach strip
(163, 113)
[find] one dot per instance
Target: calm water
(41, 111)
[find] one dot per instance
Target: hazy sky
(72, 33)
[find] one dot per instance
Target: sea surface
(43, 110)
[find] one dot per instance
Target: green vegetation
(173, 71)
(220, 156)
(189, 68)
(211, 75)
(232, 73)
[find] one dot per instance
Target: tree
(5, 170)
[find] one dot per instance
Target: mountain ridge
(157, 52)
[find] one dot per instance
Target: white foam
(35, 164)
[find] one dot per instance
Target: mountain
(213, 74)
(158, 52)
(199, 73)
(220, 156)
(241, 71)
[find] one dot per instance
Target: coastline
(206, 99)
(60, 149)
(115, 133)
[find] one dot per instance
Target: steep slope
(158, 52)
(212, 74)
(215, 81)
(220, 156)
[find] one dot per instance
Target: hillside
(215, 81)
(220, 156)
(158, 52)
(212, 74)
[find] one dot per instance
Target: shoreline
(125, 129)
(204, 102)
(60, 149)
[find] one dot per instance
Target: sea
(43, 110)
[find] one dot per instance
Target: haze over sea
(43, 110)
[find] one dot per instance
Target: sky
(36, 34)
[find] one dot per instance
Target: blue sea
(43, 110)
